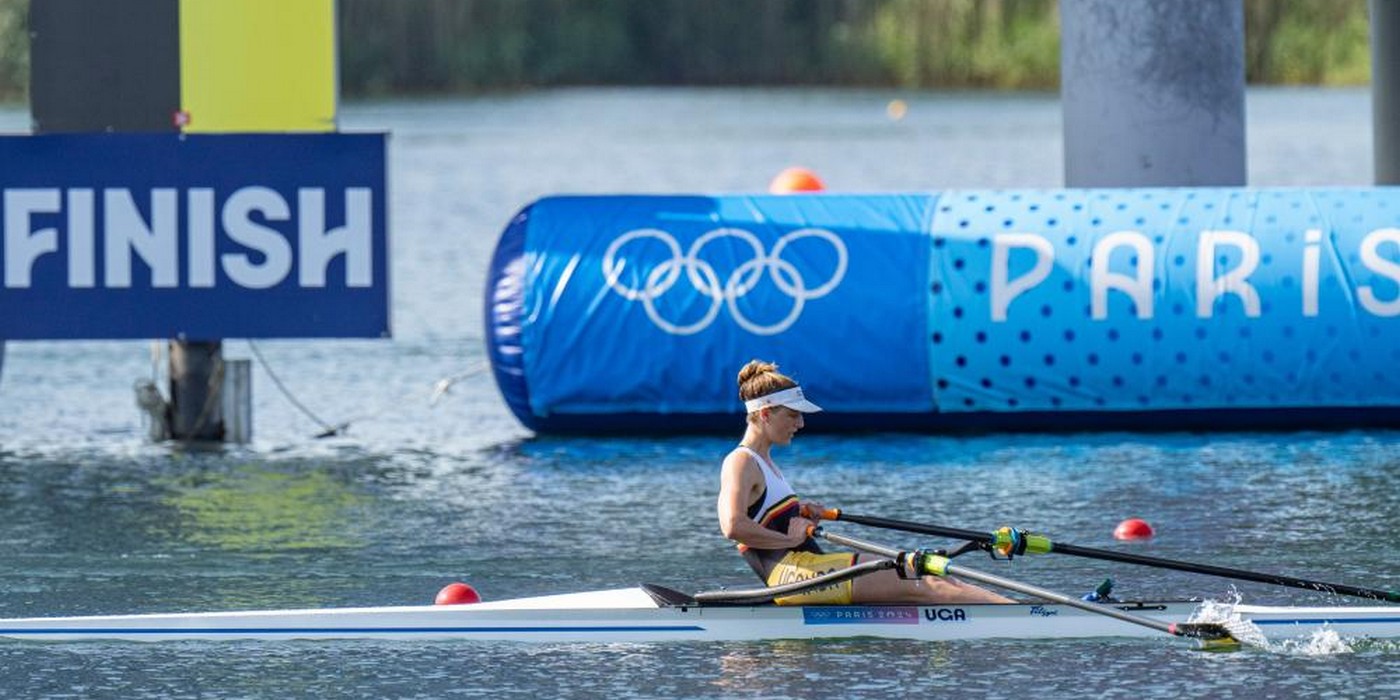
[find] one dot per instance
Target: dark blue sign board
(196, 237)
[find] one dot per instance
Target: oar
(1214, 633)
(1019, 542)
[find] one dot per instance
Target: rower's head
(771, 397)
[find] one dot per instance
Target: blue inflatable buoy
(969, 309)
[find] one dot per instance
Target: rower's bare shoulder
(739, 463)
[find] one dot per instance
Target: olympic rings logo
(702, 276)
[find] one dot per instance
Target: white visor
(792, 398)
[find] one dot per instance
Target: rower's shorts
(801, 566)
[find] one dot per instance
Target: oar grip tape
(934, 564)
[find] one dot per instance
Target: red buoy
(796, 180)
(1133, 529)
(457, 594)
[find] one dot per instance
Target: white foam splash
(1223, 613)
(1322, 642)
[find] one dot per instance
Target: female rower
(760, 511)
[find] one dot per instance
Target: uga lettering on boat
(1042, 611)
(945, 615)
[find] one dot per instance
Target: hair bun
(755, 368)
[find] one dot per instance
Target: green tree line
(391, 47)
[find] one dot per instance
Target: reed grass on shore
(466, 46)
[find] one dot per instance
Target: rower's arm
(738, 478)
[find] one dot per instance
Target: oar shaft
(1225, 572)
(767, 594)
(1038, 592)
(1109, 555)
(907, 526)
(862, 545)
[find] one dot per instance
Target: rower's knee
(951, 590)
(938, 583)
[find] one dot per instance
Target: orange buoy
(796, 180)
(457, 594)
(1133, 529)
(896, 109)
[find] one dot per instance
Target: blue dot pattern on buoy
(1153, 299)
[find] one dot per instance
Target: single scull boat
(655, 614)
(651, 613)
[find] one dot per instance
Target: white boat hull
(633, 615)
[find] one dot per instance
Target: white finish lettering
(82, 245)
(199, 254)
(1004, 291)
(239, 225)
(316, 246)
(1209, 287)
(22, 245)
(126, 231)
(121, 229)
(1137, 286)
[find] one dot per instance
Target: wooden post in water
(196, 390)
(1153, 92)
(1385, 89)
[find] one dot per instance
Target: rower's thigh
(887, 587)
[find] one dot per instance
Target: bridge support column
(1385, 89)
(1153, 92)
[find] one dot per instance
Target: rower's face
(783, 423)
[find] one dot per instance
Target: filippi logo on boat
(724, 268)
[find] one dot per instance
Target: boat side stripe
(332, 630)
(1328, 621)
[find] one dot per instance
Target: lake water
(416, 494)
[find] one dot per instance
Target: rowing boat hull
(633, 615)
